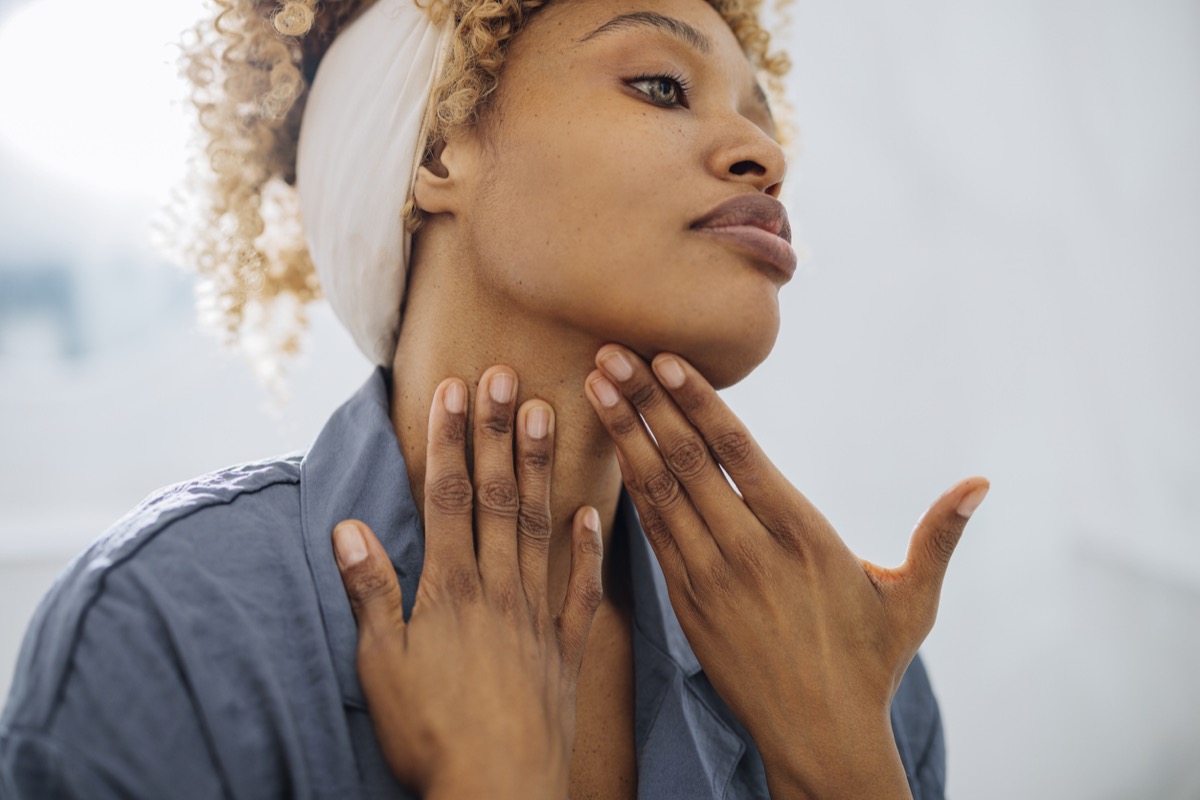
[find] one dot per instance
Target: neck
(452, 326)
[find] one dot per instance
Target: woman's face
(601, 162)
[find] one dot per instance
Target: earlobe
(441, 177)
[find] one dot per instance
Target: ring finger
(651, 477)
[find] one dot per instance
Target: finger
(779, 505)
(535, 462)
(585, 589)
(683, 449)
(657, 532)
(369, 578)
(649, 475)
(496, 497)
(937, 535)
(449, 539)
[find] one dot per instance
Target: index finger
(759, 481)
(449, 531)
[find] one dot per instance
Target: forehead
(571, 26)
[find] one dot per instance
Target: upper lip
(757, 210)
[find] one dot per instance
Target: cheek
(583, 201)
(586, 223)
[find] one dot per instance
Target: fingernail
(971, 502)
(617, 365)
(606, 392)
(591, 520)
(538, 422)
(349, 544)
(453, 397)
(669, 372)
(500, 387)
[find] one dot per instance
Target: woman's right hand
(474, 696)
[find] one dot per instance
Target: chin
(723, 354)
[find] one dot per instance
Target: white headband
(356, 162)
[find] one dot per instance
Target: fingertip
(974, 496)
(450, 395)
(669, 369)
(349, 543)
(591, 520)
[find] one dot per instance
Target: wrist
(505, 782)
(865, 765)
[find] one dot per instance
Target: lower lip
(765, 245)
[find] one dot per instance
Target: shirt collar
(355, 470)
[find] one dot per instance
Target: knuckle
(720, 579)
(591, 549)
(453, 430)
(691, 400)
(692, 608)
(498, 496)
(365, 584)
(589, 592)
(645, 396)
(534, 522)
(462, 583)
(625, 425)
(751, 557)
(733, 449)
(662, 490)
(657, 531)
(687, 459)
(498, 425)
(535, 460)
(942, 543)
(504, 597)
(788, 533)
(451, 494)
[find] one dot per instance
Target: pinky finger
(584, 588)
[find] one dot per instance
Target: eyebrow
(650, 19)
(682, 31)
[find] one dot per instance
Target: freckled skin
(558, 231)
(583, 219)
(561, 224)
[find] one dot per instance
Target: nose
(745, 153)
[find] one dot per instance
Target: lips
(754, 222)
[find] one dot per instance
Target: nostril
(742, 167)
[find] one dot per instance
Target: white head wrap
(356, 163)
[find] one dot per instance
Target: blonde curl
(248, 64)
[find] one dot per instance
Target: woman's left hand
(804, 641)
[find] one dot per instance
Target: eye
(664, 90)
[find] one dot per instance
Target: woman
(526, 593)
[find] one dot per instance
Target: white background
(1002, 201)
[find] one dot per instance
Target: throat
(604, 759)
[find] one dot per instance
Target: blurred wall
(1001, 200)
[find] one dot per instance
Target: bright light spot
(90, 92)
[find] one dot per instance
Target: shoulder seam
(151, 531)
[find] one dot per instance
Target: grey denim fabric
(204, 648)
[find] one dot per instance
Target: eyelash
(680, 82)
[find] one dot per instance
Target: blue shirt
(204, 648)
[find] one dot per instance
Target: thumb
(585, 588)
(367, 573)
(938, 531)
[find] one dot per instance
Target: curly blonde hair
(236, 221)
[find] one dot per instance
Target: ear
(445, 178)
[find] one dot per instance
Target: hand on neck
(453, 327)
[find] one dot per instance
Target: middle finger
(683, 448)
(496, 498)
(651, 476)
